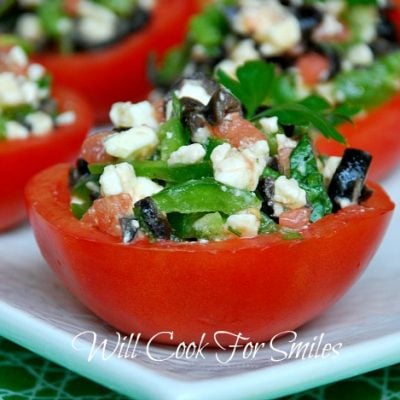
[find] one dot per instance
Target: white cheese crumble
(270, 24)
(40, 123)
(288, 194)
(29, 28)
(195, 90)
(269, 125)
(190, 154)
(66, 118)
(360, 55)
(118, 179)
(245, 224)
(145, 187)
(139, 142)
(330, 167)
(240, 168)
(18, 57)
(15, 130)
(128, 115)
(201, 135)
(285, 142)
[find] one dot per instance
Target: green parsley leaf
(300, 114)
(303, 167)
(253, 85)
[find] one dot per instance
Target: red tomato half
(258, 286)
(21, 159)
(118, 73)
(378, 133)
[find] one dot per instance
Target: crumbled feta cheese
(97, 23)
(245, 224)
(330, 167)
(285, 142)
(201, 135)
(30, 91)
(40, 123)
(18, 57)
(10, 90)
(329, 27)
(145, 187)
(15, 130)
(360, 55)
(118, 179)
(229, 67)
(269, 23)
(147, 4)
(190, 154)
(128, 115)
(36, 72)
(195, 90)
(327, 91)
(269, 125)
(66, 118)
(333, 7)
(138, 142)
(240, 168)
(244, 51)
(288, 193)
(29, 28)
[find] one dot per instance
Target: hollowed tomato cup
(118, 72)
(378, 133)
(258, 287)
(21, 159)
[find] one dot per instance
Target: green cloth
(24, 375)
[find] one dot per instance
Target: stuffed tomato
(98, 48)
(39, 126)
(195, 215)
(346, 52)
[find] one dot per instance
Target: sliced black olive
(309, 18)
(49, 106)
(221, 104)
(273, 163)
(152, 220)
(285, 61)
(130, 228)
(266, 189)
(348, 181)
(386, 29)
(75, 174)
(289, 130)
(195, 121)
(381, 47)
(139, 19)
(190, 106)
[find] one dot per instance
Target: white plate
(36, 312)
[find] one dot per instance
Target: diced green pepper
(267, 225)
(205, 195)
(122, 8)
(162, 171)
(172, 135)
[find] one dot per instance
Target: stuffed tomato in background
(98, 48)
(197, 214)
(347, 52)
(39, 126)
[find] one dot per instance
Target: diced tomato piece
(295, 219)
(237, 131)
(93, 148)
(106, 212)
(312, 67)
(159, 110)
(71, 6)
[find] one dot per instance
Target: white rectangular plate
(36, 312)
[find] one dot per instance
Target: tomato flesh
(118, 73)
(377, 133)
(21, 159)
(259, 286)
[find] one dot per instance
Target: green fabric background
(25, 376)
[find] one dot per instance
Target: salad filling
(27, 107)
(73, 25)
(200, 165)
(344, 50)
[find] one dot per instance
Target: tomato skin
(258, 286)
(21, 159)
(312, 67)
(376, 133)
(118, 73)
